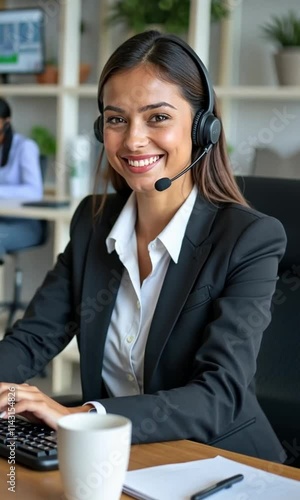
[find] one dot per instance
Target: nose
(135, 137)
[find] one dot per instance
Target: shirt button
(130, 339)
(138, 304)
(130, 377)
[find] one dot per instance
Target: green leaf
(44, 139)
(172, 14)
(284, 31)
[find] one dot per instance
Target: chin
(142, 187)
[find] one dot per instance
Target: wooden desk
(61, 218)
(32, 485)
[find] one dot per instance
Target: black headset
(206, 127)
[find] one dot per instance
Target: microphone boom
(165, 182)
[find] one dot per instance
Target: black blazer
(200, 357)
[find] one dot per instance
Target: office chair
(16, 304)
(278, 370)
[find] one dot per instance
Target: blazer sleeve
(225, 364)
(47, 325)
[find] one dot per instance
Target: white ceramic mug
(93, 455)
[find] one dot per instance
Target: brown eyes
(116, 120)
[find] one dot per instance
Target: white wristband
(98, 407)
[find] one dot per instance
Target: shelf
(89, 90)
(258, 92)
(30, 89)
(48, 90)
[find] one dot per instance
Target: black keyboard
(32, 445)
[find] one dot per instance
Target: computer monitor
(22, 45)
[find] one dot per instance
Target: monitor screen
(21, 41)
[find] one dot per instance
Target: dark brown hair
(213, 174)
(5, 114)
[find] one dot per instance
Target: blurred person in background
(20, 180)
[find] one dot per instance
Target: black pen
(225, 483)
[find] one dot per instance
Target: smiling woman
(159, 285)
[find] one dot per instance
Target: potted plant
(50, 73)
(285, 33)
(168, 15)
(46, 143)
(220, 9)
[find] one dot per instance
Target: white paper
(181, 481)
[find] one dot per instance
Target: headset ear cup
(211, 129)
(98, 128)
(206, 129)
(196, 129)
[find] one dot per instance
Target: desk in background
(31, 485)
(60, 217)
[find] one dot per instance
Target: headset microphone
(165, 182)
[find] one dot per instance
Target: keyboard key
(31, 450)
(35, 445)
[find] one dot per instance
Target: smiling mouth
(143, 163)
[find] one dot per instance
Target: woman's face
(147, 128)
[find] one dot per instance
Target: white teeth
(143, 163)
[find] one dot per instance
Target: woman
(160, 287)
(20, 179)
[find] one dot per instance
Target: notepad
(180, 481)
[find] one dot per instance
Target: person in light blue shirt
(21, 180)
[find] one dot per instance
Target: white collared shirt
(123, 365)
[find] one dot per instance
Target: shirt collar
(171, 236)
(124, 227)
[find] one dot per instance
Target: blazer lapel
(178, 283)
(102, 278)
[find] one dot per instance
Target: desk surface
(9, 208)
(31, 485)
(60, 217)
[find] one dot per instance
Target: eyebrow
(142, 109)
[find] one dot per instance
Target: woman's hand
(28, 401)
